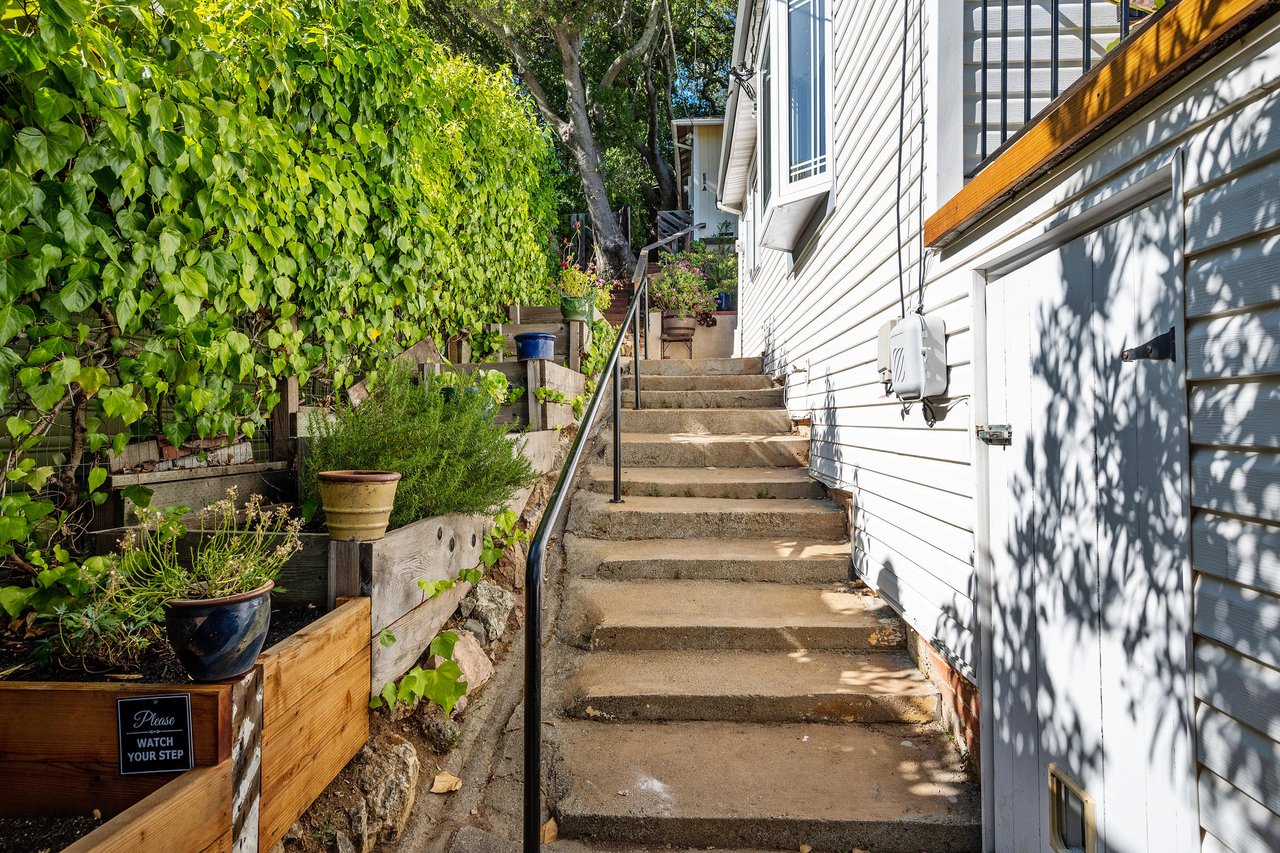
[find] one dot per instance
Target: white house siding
(1226, 121)
(816, 320)
(1104, 28)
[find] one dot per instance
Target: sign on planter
(155, 734)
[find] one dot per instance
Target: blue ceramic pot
(535, 345)
(219, 638)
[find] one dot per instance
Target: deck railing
(550, 520)
(1071, 42)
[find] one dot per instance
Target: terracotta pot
(219, 638)
(357, 504)
(676, 328)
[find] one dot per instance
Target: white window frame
(790, 205)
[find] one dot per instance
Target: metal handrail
(551, 516)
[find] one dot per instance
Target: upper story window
(795, 119)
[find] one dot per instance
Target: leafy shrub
(197, 200)
(451, 456)
(681, 289)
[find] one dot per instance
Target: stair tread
(696, 367)
(682, 505)
(726, 604)
(711, 438)
(748, 673)
(778, 550)
(742, 777)
(651, 474)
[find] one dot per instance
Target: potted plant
(216, 599)
(357, 504)
(680, 291)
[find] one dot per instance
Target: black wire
(920, 177)
(902, 130)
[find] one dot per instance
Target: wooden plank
(1238, 346)
(1240, 618)
(1236, 550)
(1239, 755)
(1163, 51)
(197, 804)
(343, 570)
(182, 475)
(246, 761)
(304, 748)
(1241, 822)
(413, 631)
(284, 420)
(431, 549)
(563, 379)
(1238, 686)
(1237, 483)
(1238, 414)
(302, 664)
(52, 721)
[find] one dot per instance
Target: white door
(1088, 532)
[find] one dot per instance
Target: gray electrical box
(918, 350)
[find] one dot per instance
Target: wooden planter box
(265, 746)
(531, 375)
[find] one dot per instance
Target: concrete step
(731, 382)
(759, 483)
(662, 450)
(642, 517)
(761, 399)
(891, 789)
(696, 366)
(757, 687)
(706, 421)
(689, 614)
(771, 560)
(793, 561)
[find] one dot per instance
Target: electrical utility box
(918, 351)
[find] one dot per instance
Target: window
(795, 120)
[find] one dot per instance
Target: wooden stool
(667, 340)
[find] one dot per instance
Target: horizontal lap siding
(816, 317)
(1233, 375)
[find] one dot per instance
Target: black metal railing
(1082, 28)
(550, 519)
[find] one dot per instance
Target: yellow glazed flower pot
(357, 504)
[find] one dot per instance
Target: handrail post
(636, 352)
(617, 431)
(644, 306)
(533, 701)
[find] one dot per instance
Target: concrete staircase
(722, 684)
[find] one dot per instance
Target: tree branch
(637, 50)
(524, 67)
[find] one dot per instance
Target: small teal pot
(535, 345)
(219, 638)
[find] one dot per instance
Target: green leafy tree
(198, 200)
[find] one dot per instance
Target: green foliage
(497, 539)
(198, 200)
(239, 550)
(451, 456)
(681, 288)
(603, 336)
(443, 685)
(718, 265)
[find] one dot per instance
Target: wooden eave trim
(1177, 40)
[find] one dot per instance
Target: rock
(359, 818)
(442, 733)
(476, 667)
(459, 707)
(342, 842)
(388, 777)
(473, 627)
(490, 605)
(278, 847)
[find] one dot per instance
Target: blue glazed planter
(219, 638)
(535, 345)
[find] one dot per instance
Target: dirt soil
(42, 834)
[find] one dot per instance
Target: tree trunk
(615, 255)
(668, 194)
